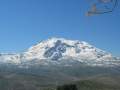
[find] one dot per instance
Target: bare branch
(108, 6)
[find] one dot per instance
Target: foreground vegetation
(17, 81)
(87, 85)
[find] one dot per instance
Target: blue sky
(26, 22)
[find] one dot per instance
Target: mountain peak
(57, 49)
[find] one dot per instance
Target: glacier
(60, 50)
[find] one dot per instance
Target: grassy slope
(85, 78)
(94, 85)
(29, 82)
(97, 83)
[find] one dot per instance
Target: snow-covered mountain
(59, 49)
